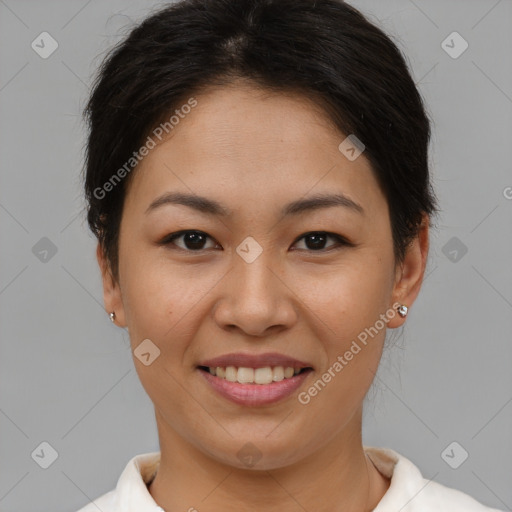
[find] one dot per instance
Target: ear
(409, 274)
(111, 290)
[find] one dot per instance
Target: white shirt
(408, 490)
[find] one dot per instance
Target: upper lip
(255, 361)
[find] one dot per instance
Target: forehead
(244, 145)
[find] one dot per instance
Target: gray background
(66, 374)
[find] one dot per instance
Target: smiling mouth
(261, 376)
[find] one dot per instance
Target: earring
(112, 316)
(402, 310)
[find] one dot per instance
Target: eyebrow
(212, 207)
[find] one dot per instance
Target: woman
(257, 177)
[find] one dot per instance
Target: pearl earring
(112, 316)
(402, 310)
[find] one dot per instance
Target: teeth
(245, 375)
(278, 374)
(263, 375)
(231, 373)
(289, 372)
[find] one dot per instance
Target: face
(262, 268)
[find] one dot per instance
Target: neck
(340, 473)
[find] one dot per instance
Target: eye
(316, 240)
(193, 240)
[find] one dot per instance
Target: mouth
(254, 379)
(255, 376)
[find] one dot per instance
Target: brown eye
(192, 240)
(316, 241)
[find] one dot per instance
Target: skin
(255, 151)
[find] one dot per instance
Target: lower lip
(255, 394)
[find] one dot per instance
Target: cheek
(349, 297)
(157, 299)
(348, 306)
(156, 292)
(160, 307)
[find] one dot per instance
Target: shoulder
(409, 491)
(131, 491)
(442, 498)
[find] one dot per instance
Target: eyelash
(341, 241)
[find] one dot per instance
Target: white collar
(408, 490)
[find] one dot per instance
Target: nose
(256, 298)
